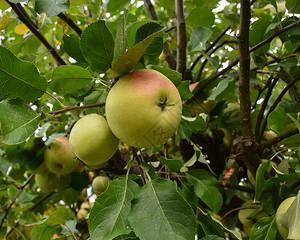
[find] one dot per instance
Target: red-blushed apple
(280, 221)
(143, 108)
(59, 157)
(92, 141)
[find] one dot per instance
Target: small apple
(59, 157)
(281, 210)
(85, 205)
(143, 108)
(46, 181)
(92, 141)
(100, 184)
(269, 135)
(82, 214)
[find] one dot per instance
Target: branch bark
(70, 22)
(181, 37)
(23, 16)
(71, 108)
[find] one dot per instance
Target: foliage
(195, 184)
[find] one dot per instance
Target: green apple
(100, 184)
(92, 141)
(250, 214)
(143, 108)
(59, 157)
(269, 135)
(281, 210)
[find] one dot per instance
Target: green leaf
(204, 186)
(17, 122)
(69, 79)
(220, 88)
(126, 62)
(51, 7)
(201, 16)
(260, 179)
(108, 217)
(59, 216)
(184, 90)
(264, 229)
(212, 237)
(19, 79)
(173, 164)
(42, 232)
(162, 213)
(115, 5)
(294, 219)
(97, 45)
(71, 44)
(199, 38)
(120, 39)
(293, 6)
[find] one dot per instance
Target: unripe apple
(281, 210)
(92, 141)
(82, 214)
(250, 214)
(269, 135)
(100, 184)
(143, 108)
(86, 206)
(59, 157)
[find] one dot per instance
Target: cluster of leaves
(189, 187)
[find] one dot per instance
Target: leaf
(264, 229)
(108, 217)
(260, 179)
(220, 88)
(173, 164)
(19, 78)
(212, 237)
(59, 216)
(204, 186)
(293, 6)
(21, 29)
(162, 213)
(184, 90)
(115, 5)
(120, 39)
(294, 219)
(71, 44)
(51, 7)
(69, 79)
(201, 16)
(199, 38)
(17, 122)
(125, 63)
(42, 232)
(97, 46)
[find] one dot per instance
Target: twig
(237, 187)
(70, 22)
(205, 83)
(55, 98)
(23, 16)
(209, 47)
(7, 210)
(237, 209)
(71, 108)
(181, 37)
(166, 50)
(274, 105)
(279, 138)
(244, 79)
(271, 83)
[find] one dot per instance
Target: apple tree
(150, 120)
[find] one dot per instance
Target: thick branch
(70, 22)
(279, 138)
(274, 105)
(181, 37)
(23, 16)
(169, 57)
(71, 108)
(205, 83)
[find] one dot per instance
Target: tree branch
(23, 16)
(70, 22)
(205, 83)
(166, 50)
(274, 105)
(71, 108)
(279, 138)
(7, 210)
(181, 37)
(270, 84)
(209, 47)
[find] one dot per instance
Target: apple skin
(100, 184)
(92, 141)
(281, 210)
(59, 157)
(143, 108)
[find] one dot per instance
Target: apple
(85, 205)
(281, 210)
(59, 157)
(269, 135)
(82, 214)
(100, 184)
(92, 141)
(143, 108)
(46, 181)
